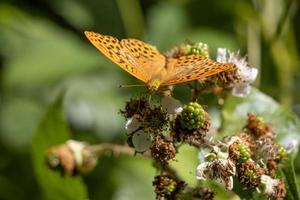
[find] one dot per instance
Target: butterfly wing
(147, 57)
(192, 67)
(113, 49)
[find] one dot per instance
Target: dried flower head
(265, 149)
(167, 187)
(273, 188)
(135, 106)
(249, 174)
(162, 150)
(156, 119)
(272, 166)
(217, 169)
(257, 127)
(193, 137)
(239, 152)
(202, 193)
(240, 78)
(247, 139)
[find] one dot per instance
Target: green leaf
(51, 52)
(53, 130)
(135, 176)
(185, 163)
(290, 178)
(162, 36)
(284, 122)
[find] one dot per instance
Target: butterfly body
(145, 63)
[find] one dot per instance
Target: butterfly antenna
(127, 86)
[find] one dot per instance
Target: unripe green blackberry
(249, 174)
(167, 187)
(281, 153)
(199, 49)
(239, 152)
(193, 116)
(244, 152)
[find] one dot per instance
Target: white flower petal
(269, 184)
(171, 105)
(241, 90)
(227, 165)
(141, 141)
(290, 143)
(133, 124)
(246, 73)
(232, 140)
(222, 55)
(228, 183)
(249, 74)
(76, 147)
(201, 171)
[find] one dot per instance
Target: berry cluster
(193, 116)
(198, 49)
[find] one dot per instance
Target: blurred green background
(43, 52)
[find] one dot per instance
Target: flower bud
(71, 157)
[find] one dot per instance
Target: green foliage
(285, 124)
(43, 50)
(185, 163)
(288, 171)
(52, 131)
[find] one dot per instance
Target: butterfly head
(153, 85)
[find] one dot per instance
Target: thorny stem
(166, 169)
(116, 150)
(113, 149)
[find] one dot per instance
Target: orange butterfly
(144, 62)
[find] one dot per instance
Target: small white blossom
(76, 148)
(269, 185)
(141, 141)
(241, 90)
(202, 170)
(290, 143)
(171, 105)
(247, 74)
(232, 139)
(133, 124)
(222, 55)
(218, 169)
